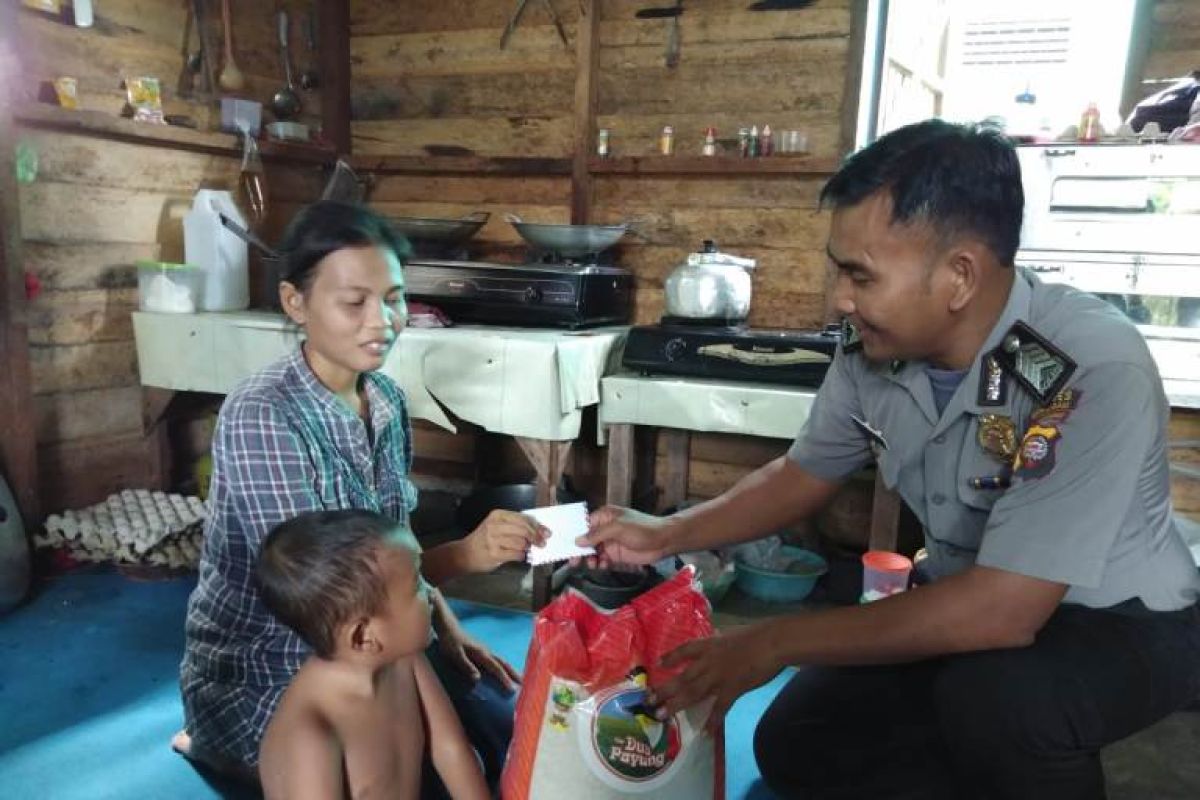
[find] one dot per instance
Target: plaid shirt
(284, 444)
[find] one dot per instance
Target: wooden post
(586, 64)
(548, 459)
(333, 33)
(18, 443)
(678, 446)
(619, 481)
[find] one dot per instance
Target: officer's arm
(979, 609)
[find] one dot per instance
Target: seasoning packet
(66, 89)
(145, 98)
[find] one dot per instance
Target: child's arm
(451, 753)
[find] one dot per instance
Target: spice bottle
(753, 143)
(710, 142)
(765, 144)
(743, 142)
(1089, 124)
(602, 148)
(666, 141)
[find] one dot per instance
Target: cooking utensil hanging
(515, 20)
(286, 103)
(249, 238)
(671, 57)
(309, 78)
(231, 78)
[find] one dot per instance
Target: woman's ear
(291, 300)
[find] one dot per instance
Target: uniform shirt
(1090, 509)
(284, 444)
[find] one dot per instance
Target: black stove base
(794, 358)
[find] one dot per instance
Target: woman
(321, 429)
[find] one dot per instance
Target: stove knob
(532, 295)
(676, 348)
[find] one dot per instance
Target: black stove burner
(709, 323)
(732, 353)
(554, 258)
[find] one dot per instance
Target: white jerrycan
(218, 251)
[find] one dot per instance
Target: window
(1032, 65)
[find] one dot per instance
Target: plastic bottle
(710, 142)
(1089, 124)
(253, 182)
(765, 144)
(83, 13)
(218, 251)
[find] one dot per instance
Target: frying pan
(450, 231)
(568, 240)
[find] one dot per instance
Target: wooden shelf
(96, 123)
(713, 165)
(466, 165)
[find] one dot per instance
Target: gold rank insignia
(997, 437)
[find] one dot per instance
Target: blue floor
(89, 699)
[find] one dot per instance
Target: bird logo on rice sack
(627, 740)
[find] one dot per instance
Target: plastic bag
(583, 730)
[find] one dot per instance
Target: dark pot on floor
(610, 588)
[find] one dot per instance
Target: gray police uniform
(1071, 486)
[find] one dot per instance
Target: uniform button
(938, 499)
(939, 439)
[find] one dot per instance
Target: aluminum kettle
(710, 285)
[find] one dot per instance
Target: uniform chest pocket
(982, 476)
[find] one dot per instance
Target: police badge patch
(1035, 458)
(1037, 365)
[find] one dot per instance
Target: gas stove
(794, 357)
(566, 294)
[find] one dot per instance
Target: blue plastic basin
(792, 586)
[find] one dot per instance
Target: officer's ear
(965, 265)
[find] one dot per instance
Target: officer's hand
(624, 536)
(502, 536)
(722, 669)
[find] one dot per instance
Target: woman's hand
(473, 658)
(502, 537)
(624, 536)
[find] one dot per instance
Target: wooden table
(676, 407)
(529, 383)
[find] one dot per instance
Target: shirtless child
(360, 715)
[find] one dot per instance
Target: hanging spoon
(309, 79)
(286, 103)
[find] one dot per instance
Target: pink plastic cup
(884, 574)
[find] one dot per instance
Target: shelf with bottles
(89, 122)
(789, 164)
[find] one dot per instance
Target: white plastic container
(223, 257)
(169, 288)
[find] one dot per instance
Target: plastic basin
(790, 586)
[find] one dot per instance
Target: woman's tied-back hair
(327, 226)
(320, 569)
(958, 179)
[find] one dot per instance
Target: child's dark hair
(955, 178)
(327, 226)
(320, 569)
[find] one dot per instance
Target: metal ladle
(286, 103)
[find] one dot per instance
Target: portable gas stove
(704, 350)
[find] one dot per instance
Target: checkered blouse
(284, 444)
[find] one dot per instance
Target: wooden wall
(1173, 42)
(96, 207)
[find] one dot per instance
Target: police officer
(1024, 424)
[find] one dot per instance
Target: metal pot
(710, 285)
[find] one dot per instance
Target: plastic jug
(218, 251)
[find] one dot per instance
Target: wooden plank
(708, 191)
(737, 450)
(100, 214)
(64, 416)
(101, 365)
(87, 265)
(432, 442)
(18, 448)
(470, 165)
(586, 93)
(547, 137)
(461, 52)
(107, 126)
(497, 228)
(469, 190)
(779, 270)
(635, 133)
(376, 17)
(619, 487)
(544, 94)
(720, 40)
(79, 473)
(715, 165)
(851, 100)
(79, 317)
(677, 447)
(731, 227)
(333, 23)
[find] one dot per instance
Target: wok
(569, 240)
(448, 231)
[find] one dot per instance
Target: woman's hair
(957, 179)
(327, 226)
(319, 570)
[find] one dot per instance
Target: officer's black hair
(319, 570)
(955, 178)
(327, 226)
